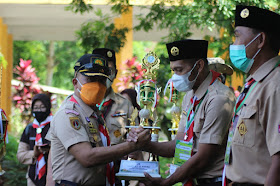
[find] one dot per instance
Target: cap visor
(95, 74)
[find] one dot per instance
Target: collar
(264, 69)
(87, 109)
(111, 95)
(200, 92)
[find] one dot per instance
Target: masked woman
(33, 148)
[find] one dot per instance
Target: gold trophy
(175, 110)
(147, 97)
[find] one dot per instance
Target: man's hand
(133, 134)
(144, 138)
(150, 181)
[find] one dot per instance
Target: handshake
(140, 136)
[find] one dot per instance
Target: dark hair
(132, 94)
(272, 38)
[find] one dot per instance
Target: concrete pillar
(6, 48)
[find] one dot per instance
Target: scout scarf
(239, 103)
(41, 162)
(189, 134)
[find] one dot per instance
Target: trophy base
(134, 170)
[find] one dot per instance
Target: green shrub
(15, 172)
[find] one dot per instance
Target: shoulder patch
(75, 122)
(72, 112)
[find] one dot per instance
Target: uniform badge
(174, 51)
(185, 113)
(117, 133)
(109, 54)
(75, 122)
(244, 13)
(242, 128)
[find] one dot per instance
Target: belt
(209, 180)
(66, 183)
(245, 184)
(242, 184)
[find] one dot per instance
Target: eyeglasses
(39, 107)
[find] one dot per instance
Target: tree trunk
(50, 64)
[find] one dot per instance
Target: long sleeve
(24, 155)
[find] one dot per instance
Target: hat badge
(109, 54)
(174, 51)
(244, 13)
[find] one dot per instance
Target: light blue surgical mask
(182, 82)
(238, 57)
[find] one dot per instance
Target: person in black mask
(33, 148)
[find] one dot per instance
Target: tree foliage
(101, 33)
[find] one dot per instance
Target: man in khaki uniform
(208, 122)
(253, 151)
(81, 153)
(116, 108)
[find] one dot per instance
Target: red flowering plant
(131, 74)
(27, 87)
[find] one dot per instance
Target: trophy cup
(175, 110)
(147, 97)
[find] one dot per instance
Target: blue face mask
(182, 82)
(238, 57)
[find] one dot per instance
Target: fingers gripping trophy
(175, 110)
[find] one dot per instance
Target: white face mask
(182, 82)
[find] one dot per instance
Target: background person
(33, 148)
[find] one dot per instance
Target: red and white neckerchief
(41, 162)
(110, 172)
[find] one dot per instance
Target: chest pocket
(116, 127)
(245, 132)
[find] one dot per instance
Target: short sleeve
(66, 131)
(218, 114)
(271, 122)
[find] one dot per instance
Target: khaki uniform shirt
(117, 117)
(252, 151)
(211, 121)
(64, 133)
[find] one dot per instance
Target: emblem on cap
(98, 62)
(109, 54)
(244, 13)
(174, 51)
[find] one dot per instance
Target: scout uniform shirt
(257, 134)
(211, 121)
(116, 115)
(69, 127)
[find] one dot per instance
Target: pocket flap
(248, 112)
